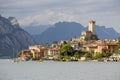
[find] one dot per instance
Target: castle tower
(91, 27)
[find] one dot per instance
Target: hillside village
(86, 47)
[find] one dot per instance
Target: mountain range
(12, 37)
(67, 30)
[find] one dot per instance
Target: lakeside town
(87, 47)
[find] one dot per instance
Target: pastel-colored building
(53, 53)
(38, 49)
(26, 55)
(100, 46)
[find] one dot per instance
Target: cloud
(47, 17)
(35, 12)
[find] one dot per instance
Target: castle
(90, 34)
(87, 43)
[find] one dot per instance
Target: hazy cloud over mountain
(35, 12)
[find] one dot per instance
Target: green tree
(88, 55)
(107, 54)
(66, 49)
(98, 56)
(60, 57)
(117, 48)
(77, 55)
(67, 58)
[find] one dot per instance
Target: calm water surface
(49, 70)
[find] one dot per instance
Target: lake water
(49, 70)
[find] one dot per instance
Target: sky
(44, 12)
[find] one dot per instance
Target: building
(90, 34)
(53, 53)
(100, 46)
(26, 55)
(92, 27)
(38, 49)
(106, 45)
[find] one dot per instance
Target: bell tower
(92, 27)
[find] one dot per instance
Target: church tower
(92, 27)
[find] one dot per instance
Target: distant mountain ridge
(12, 37)
(106, 33)
(60, 31)
(67, 30)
